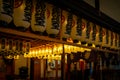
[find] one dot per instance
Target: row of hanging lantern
(53, 51)
(47, 51)
(74, 49)
(43, 17)
(12, 48)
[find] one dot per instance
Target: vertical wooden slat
(31, 69)
(40, 70)
(63, 65)
(13, 68)
(45, 67)
(68, 67)
(36, 69)
(27, 63)
(56, 63)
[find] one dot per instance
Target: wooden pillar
(31, 69)
(40, 70)
(63, 65)
(45, 68)
(68, 67)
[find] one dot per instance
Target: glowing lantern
(6, 11)
(22, 14)
(67, 19)
(38, 16)
(4, 44)
(53, 20)
(76, 28)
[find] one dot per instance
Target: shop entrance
(55, 61)
(43, 69)
(46, 62)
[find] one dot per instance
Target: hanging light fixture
(60, 49)
(16, 56)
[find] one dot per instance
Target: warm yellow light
(79, 43)
(60, 49)
(22, 7)
(36, 52)
(56, 57)
(39, 52)
(74, 49)
(49, 56)
(25, 55)
(28, 55)
(65, 48)
(46, 50)
(55, 49)
(59, 57)
(16, 57)
(33, 53)
(43, 51)
(87, 49)
(69, 49)
(39, 57)
(70, 40)
(50, 51)
(93, 45)
(82, 49)
(81, 60)
(86, 44)
(79, 49)
(10, 57)
(53, 56)
(45, 57)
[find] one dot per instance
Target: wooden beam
(63, 65)
(46, 38)
(97, 5)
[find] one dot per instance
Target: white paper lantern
(89, 26)
(22, 14)
(10, 45)
(67, 19)
(75, 35)
(28, 46)
(53, 20)
(6, 11)
(38, 22)
(98, 40)
(17, 47)
(3, 44)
